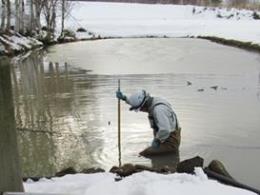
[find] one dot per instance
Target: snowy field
(144, 183)
(135, 20)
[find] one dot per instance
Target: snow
(14, 42)
(145, 183)
(140, 20)
(84, 35)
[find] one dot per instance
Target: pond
(66, 110)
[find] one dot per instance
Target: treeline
(181, 2)
(25, 16)
(247, 4)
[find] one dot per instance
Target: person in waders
(162, 118)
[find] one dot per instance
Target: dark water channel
(66, 113)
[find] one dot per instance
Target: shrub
(81, 29)
(256, 16)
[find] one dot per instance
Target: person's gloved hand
(120, 95)
(156, 143)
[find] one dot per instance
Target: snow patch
(14, 43)
(145, 183)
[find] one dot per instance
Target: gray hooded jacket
(162, 118)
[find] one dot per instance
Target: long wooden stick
(119, 127)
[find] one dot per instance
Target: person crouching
(162, 118)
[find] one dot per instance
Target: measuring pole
(119, 127)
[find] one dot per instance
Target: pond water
(66, 113)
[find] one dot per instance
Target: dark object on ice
(118, 178)
(66, 171)
(187, 166)
(218, 167)
(229, 181)
(92, 170)
(214, 87)
(200, 90)
(189, 83)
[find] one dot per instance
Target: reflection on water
(47, 116)
(68, 116)
(258, 92)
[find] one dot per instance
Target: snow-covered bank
(145, 183)
(140, 20)
(14, 43)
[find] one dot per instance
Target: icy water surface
(67, 113)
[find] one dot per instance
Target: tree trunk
(32, 18)
(22, 30)
(10, 179)
(62, 16)
(8, 7)
(50, 17)
(53, 20)
(38, 10)
(47, 13)
(3, 14)
(53, 15)
(17, 16)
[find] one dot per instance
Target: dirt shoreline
(249, 46)
(231, 42)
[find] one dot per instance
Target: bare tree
(49, 11)
(3, 14)
(38, 10)
(62, 15)
(32, 17)
(53, 17)
(17, 16)
(66, 7)
(8, 8)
